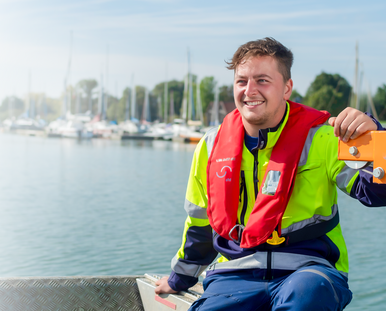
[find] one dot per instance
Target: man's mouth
(254, 103)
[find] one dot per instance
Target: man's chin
(258, 122)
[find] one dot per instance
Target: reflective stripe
(186, 269)
(280, 261)
(307, 145)
(316, 219)
(344, 177)
(210, 136)
(194, 210)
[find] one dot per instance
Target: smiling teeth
(254, 103)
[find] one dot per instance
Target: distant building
(224, 109)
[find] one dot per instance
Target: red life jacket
(223, 175)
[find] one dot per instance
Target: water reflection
(159, 145)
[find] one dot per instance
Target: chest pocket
(308, 168)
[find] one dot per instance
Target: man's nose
(251, 89)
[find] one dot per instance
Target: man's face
(260, 93)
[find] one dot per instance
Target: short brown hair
(265, 47)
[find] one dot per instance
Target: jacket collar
(268, 137)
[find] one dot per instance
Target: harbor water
(111, 207)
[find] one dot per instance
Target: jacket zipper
(255, 176)
(268, 275)
(245, 201)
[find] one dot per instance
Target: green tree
(380, 101)
(117, 108)
(226, 93)
(87, 86)
(11, 106)
(329, 92)
(296, 97)
(47, 108)
(177, 89)
(113, 111)
(174, 87)
(207, 88)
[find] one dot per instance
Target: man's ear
(288, 89)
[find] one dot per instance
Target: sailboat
(187, 128)
(99, 126)
(129, 126)
(356, 90)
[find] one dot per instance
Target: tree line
(333, 93)
(329, 92)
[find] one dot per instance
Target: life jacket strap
(307, 233)
(240, 229)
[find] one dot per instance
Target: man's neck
(254, 131)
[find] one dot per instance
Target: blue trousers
(313, 288)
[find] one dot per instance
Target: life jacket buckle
(275, 240)
(240, 229)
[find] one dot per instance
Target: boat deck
(81, 293)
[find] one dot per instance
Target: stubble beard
(263, 120)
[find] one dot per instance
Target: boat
(186, 131)
(74, 129)
(72, 126)
(102, 128)
(81, 293)
(25, 126)
(187, 128)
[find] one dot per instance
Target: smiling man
(260, 92)
(262, 194)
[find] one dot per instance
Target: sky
(124, 42)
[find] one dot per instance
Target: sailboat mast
(215, 109)
(185, 100)
(199, 104)
(127, 106)
(67, 99)
(166, 96)
(64, 107)
(28, 108)
(171, 105)
(370, 101)
(191, 102)
(145, 104)
(77, 92)
(106, 99)
(357, 83)
(101, 98)
(355, 88)
(133, 98)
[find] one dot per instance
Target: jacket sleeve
(196, 251)
(357, 183)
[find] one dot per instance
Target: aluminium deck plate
(80, 293)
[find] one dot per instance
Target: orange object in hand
(369, 147)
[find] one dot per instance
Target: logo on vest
(224, 168)
(225, 159)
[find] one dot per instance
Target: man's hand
(351, 123)
(163, 286)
